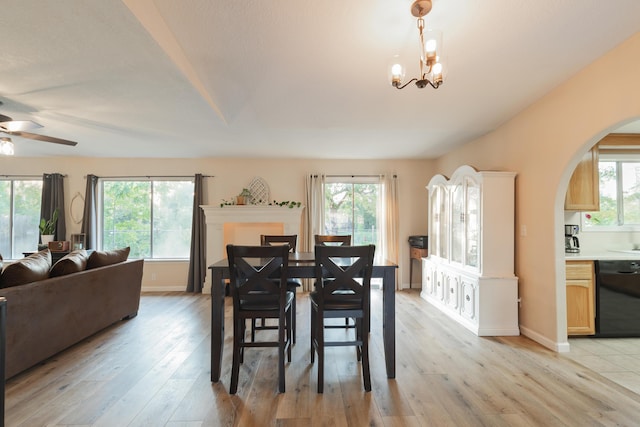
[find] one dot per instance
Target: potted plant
(244, 197)
(48, 228)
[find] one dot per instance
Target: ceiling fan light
(6, 147)
(19, 125)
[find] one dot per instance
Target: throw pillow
(73, 262)
(102, 258)
(33, 268)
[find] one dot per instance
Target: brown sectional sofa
(49, 315)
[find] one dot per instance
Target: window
(353, 207)
(619, 192)
(19, 216)
(152, 217)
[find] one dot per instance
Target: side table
(55, 255)
(416, 254)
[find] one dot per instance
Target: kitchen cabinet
(583, 193)
(580, 288)
(469, 273)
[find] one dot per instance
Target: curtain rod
(353, 176)
(27, 176)
(152, 176)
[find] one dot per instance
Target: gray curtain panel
(197, 258)
(90, 215)
(52, 199)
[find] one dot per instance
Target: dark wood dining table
(301, 265)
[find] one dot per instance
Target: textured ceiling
(284, 78)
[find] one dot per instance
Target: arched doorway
(591, 244)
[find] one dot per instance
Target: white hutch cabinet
(469, 272)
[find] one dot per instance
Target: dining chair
(292, 283)
(258, 288)
(333, 239)
(343, 290)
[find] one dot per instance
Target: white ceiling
(284, 78)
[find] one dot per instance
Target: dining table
(302, 265)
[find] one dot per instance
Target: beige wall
(543, 144)
(285, 178)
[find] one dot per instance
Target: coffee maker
(571, 242)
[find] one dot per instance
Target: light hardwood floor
(153, 370)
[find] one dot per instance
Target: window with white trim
(19, 216)
(153, 217)
(352, 206)
(619, 193)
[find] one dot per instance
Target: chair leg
(236, 360)
(366, 373)
(359, 338)
(320, 347)
(289, 334)
(293, 315)
(243, 329)
(253, 329)
(313, 334)
(281, 348)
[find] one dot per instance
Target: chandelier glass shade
(6, 146)
(430, 61)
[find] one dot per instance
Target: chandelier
(6, 146)
(430, 54)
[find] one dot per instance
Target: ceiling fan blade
(44, 138)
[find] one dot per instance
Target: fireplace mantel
(216, 217)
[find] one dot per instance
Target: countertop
(604, 255)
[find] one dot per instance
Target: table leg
(410, 271)
(217, 323)
(389, 320)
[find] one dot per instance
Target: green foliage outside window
(152, 217)
(619, 195)
(352, 208)
(19, 216)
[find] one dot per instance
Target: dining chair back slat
(332, 239)
(277, 239)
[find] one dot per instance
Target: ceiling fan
(18, 128)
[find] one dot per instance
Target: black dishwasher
(617, 298)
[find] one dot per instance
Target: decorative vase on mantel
(244, 198)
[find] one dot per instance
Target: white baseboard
(560, 347)
(164, 288)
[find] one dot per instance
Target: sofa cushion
(102, 258)
(33, 268)
(73, 262)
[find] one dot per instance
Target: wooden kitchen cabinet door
(580, 298)
(583, 193)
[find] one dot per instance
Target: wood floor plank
(154, 370)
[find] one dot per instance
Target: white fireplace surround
(216, 217)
